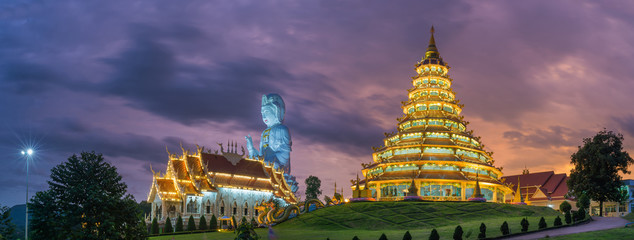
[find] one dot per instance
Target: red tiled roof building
(543, 188)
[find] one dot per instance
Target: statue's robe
(275, 146)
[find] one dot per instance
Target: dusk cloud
(129, 79)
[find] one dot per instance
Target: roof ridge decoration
(232, 152)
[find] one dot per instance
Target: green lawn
(369, 220)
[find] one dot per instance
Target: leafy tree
(191, 224)
(155, 227)
(7, 228)
(327, 200)
(254, 222)
(243, 220)
(233, 219)
(542, 223)
(483, 231)
(557, 221)
(383, 237)
(597, 165)
(168, 226)
(505, 228)
(86, 199)
(202, 223)
(407, 236)
(524, 224)
(434, 235)
(355, 238)
(179, 224)
(145, 207)
(312, 187)
(213, 223)
(457, 233)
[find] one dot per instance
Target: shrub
(524, 224)
(213, 223)
(245, 231)
(483, 231)
(179, 224)
(202, 224)
(155, 228)
(191, 224)
(557, 221)
(457, 234)
(542, 223)
(383, 237)
(568, 217)
(235, 224)
(565, 207)
(434, 235)
(581, 214)
(505, 228)
(168, 226)
(354, 238)
(407, 236)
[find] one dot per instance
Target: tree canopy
(312, 187)
(7, 228)
(86, 199)
(597, 165)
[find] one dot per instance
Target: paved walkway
(599, 223)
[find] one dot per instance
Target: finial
(432, 29)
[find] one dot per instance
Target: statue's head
(272, 109)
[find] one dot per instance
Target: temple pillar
(463, 191)
(378, 191)
(495, 194)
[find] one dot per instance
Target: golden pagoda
(433, 148)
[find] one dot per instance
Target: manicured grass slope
(369, 220)
(408, 215)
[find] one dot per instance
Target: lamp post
(27, 153)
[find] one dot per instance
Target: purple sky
(128, 78)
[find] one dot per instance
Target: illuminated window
(422, 108)
(433, 81)
(434, 93)
(433, 68)
(434, 107)
(410, 110)
(425, 81)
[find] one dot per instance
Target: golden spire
(432, 51)
(518, 193)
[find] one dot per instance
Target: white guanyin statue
(275, 141)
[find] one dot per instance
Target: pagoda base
(519, 203)
(362, 200)
(477, 199)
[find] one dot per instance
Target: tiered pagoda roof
(432, 141)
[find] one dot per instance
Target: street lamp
(27, 154)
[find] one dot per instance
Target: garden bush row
(504, 228)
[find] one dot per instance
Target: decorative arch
(246, 209)
(234, 208)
